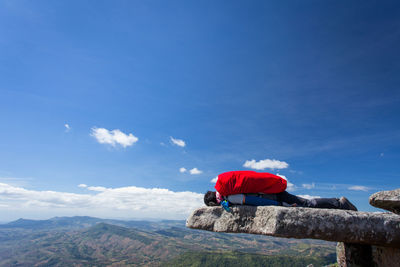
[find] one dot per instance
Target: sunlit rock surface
(387, 200)
(382, 229)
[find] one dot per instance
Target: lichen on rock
(377, 228)
(387, 200)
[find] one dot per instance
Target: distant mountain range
(78, 222)
(88, 241)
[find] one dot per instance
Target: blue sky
(313, 84)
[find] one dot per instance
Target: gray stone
(387, 200)
(352, 255)
(382, 229)
(386, 257)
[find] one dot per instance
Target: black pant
(322, 203)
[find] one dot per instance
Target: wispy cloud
(265, 163)
(340, 188)
(82, 185)
(308, 186)
(16, 181)
(178, 142)
(359, 188)
(182, 170)
(122, 202)
(114, 137)
(195, 171)
(67, 127)
(214, 180)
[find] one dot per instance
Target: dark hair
(210, 199)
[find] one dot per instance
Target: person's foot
(346, 204)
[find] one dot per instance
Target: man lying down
(264, 189)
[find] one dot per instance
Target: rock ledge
(373, 228)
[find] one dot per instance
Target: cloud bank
(178, 142)
(265, 163)
(123, 202)
(114, 137)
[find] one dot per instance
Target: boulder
(387, 200)
(373, 228)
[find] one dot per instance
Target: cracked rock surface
(377, 228)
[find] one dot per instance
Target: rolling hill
(87, 241)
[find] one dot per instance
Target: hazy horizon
(117, 219)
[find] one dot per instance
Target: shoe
(346, 204)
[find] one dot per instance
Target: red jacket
(241, 182)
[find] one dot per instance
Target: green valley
(87, 241)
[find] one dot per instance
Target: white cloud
(359, 188)
(114, 137)
(122, 202)
(290, 187)
(82, 185)
(308, 186)
(308, 196)
(195, 171)
(67, 127)
(214, 180)
(178, 142)
(265, 163)
(191, 171)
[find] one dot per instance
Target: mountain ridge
(77, 222)
(154, 244)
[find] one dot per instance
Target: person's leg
(327, 203)
(321, 203)
(333, 203)
(346, 204)
(292, 199)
